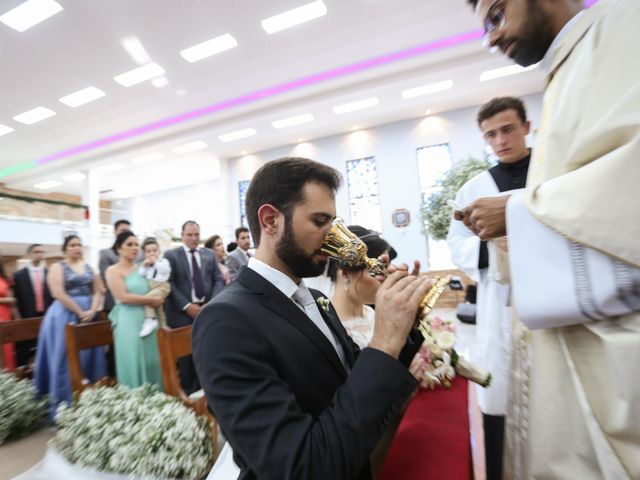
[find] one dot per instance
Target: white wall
(394, 147)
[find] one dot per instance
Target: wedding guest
(32, 296)
(108, 257)
(157, 271)
(137, 358)
(78, 294)
(6, 302)
(239, 257)
(215, 243)
(195, 279)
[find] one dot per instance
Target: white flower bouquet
(437, 359)
(21, 411)
(138, 432)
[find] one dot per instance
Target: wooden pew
(17, 331)
(82, 336)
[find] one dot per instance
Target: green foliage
(21, 412)
(435, 212)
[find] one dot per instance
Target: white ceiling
(81, 46)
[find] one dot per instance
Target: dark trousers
(493, 445)
(25, 352)
(188, 376)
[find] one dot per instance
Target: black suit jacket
(282, 397)
(181, 283)
(25, 295)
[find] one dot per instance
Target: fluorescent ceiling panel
(83, 96)
(30, 13)
(354, 106)
(291, 121)
(113, 167)
(34, 115)
(139, 75)
(208, 48)
(74, 177)
(47, 185)
(136, 50)
(238, 134)
(148, 158)
(190, 147)
(427, 89)
(504, 72)
(294, 17)
(4, 130)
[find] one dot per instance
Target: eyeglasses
(494, 20)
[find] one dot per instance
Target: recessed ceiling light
(113, 167)
(505, 72)
(30, 13)
(427, 111)
(243, 152)
(148, 158)
(190, 147)
(300, 140)
(354, 128)
(136, 50)
(237, 135)
(4, 130)
(34, 115)
(83, 96)
(160, 82)
(291, 121)
(47, 185)
(74, 177)
(427, 89)
(294, 17)
(139, 75)
(359, 105)
(208, 48)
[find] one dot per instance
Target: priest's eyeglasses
(494, 20)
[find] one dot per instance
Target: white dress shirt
(289, 288)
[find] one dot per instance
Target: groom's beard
(299, 262)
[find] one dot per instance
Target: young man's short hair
(121, 222)
(280, 184)
(240, 230)
(499, 105)
(32, 246)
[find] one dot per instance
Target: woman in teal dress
(137, 358)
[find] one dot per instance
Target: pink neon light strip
(270, 92)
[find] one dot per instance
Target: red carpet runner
(433, 440)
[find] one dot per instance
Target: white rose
(445, 340)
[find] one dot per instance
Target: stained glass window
(243, 186)
(364, 201)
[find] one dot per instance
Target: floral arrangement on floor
(439, 361)
(21, 411)
(139, 432)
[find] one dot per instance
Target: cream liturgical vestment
(576, 383)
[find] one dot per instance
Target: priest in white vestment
(574, 238)
(504, 125)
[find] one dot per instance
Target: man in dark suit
(107, 258)
(32, 295)
(195, 279)
(239, 257)
(293, 394)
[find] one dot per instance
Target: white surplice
(492, 348)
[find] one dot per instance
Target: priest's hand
(486, 217)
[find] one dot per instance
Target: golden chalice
(343, 245)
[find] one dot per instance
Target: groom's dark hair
(280, 183)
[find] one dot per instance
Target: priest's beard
(536, 37)
(299, 262)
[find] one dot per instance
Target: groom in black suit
(293, 394)
(195, 279)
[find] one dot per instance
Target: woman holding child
(137, 357)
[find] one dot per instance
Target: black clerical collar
(521, 164)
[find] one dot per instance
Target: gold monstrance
(341, 244)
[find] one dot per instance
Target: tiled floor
(20, 455)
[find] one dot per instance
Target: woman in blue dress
(78, 294)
